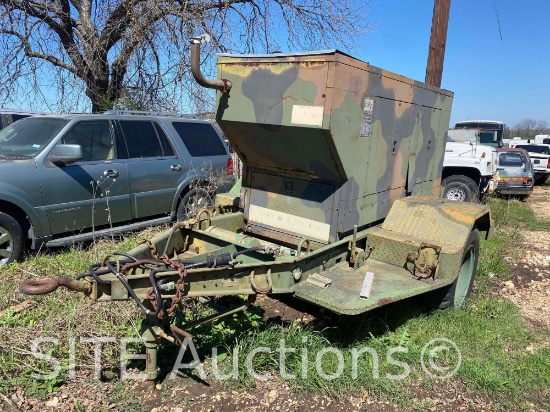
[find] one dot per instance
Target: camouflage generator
(338, 203)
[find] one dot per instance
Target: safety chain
(167, 312)
(152, 247)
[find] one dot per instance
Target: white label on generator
(307, 115)
(367, 285)
(288, 222)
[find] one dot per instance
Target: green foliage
(509, 215)
(221, 331)
(489, 333)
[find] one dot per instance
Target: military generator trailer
(338, 204)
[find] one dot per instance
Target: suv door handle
(176, 168)
(111, 173)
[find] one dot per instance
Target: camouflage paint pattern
(329, 142)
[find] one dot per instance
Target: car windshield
(27, 137)
(534, 148)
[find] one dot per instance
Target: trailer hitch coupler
(42, 286)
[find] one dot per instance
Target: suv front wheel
(11, 239)
(192, 202)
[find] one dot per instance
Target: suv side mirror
(66, 153)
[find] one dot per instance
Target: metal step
(390, 284)
(83, 237)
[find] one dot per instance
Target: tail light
(229, 169)
(548, 165)
(528, 181)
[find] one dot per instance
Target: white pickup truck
(469, 168)
(540, 157)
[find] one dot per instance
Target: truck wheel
(459, 188)
(191, 202)
(12, 243)
(461, 288)
(540, 180)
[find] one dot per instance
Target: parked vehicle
(469, 171)
(542, 138)
(469, 165)
(540, 157)
(8, 116)
(488, 132)
(516, 173)
(70, 178)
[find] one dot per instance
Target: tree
(529, 128)
(137, 50)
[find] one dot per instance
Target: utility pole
(438, 41)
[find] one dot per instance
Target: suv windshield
(27, 137)
(534, 149)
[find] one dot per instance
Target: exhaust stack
(222, 85)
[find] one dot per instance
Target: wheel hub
(6, 246)
(195, 203)
(457, 194)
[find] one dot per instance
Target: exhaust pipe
(222, 85)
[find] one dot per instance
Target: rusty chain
(152, 247)
(180, 283)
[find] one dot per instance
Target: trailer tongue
(338, 202)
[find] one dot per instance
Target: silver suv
(70, 178)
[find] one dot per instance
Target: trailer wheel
(461, 288)
(459, 188)
(12, 242)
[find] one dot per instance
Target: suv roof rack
(150, 113)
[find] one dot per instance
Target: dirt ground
(529, 289)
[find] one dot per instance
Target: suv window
(200, 139)
(510, 159)
(95, 138)
(29, 136)
(145, 139)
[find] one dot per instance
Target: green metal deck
(390, 284)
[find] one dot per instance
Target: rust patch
(384, 301)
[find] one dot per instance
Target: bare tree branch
(139, 48)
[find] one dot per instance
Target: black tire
(191, 202)
(12, 241)
(540, 180)
(460, 289)
(460, 188)
(522, 198)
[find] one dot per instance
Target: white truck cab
(469, 171)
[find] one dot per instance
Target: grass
(60, 315)
(489, 332)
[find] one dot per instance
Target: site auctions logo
(440, 358)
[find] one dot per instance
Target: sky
(492, 79)
(504, 79)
